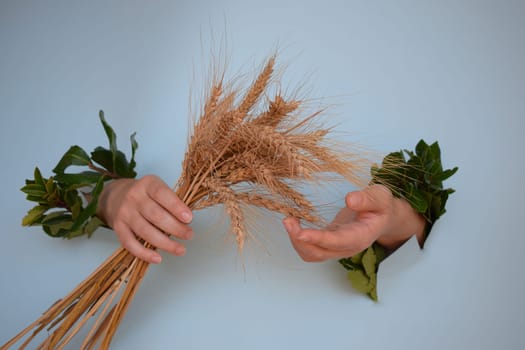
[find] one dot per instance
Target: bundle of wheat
(246, 148)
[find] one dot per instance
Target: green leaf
(360, 281)
(373, 292)
(73, 202)
(58, 229)
(112, 137)
(416, 198)
(122, 167)
(369, 261)
(76, 208)
(447, 173)
(72, 234)
(84, 178)
(394, 158)
(421, 148)
(91, 208)
(103, 157)
(347, 263)
(357, 258)
(114, 163)
(74, 156)
(50, 186)
(38, 177)
(435, 152)
(34, 215)
(92, 226)
(56, 217)
(416, 167)
(34, 190)
(134, 146)
(380, 253)
(53, 199)
(37, 199)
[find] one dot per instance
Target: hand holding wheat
(146, 208)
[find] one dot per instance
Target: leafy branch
(67, 202)
(362, 269)
(418, 179)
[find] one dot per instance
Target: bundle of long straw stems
(248, 147)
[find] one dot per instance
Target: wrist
(110, 195)
(103, 202)
(407, 222)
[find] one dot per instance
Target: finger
(151, 234)
(311, 253)
(315, 253)
(164, 221)
(162, 194)
(131, 244)
(350, 239)
(292, 226)
(308, 252)
(332, 240)
(373, 198)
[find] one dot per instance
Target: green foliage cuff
(417, 179)
(67, 202)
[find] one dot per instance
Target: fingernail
(355, 199)
(180, 251)
(304, 238)
(287, 226)
(186, 216)
(156, 259)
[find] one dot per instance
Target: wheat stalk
(236, 156)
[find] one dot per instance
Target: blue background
(393, 72)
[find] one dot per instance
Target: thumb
(292, 225)
(373, 198)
